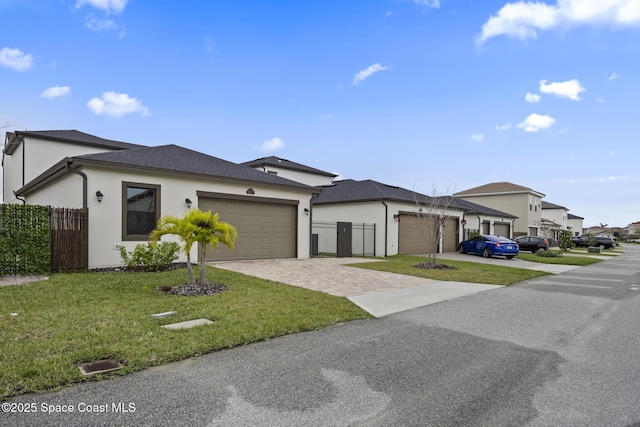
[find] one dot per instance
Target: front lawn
(564, 260)
(49, 327)
(464, 272)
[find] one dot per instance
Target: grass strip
(76, 318)
(465, 271)
(563, 260)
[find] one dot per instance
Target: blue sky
(422, 94)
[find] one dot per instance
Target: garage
(411, 238)
(502, 229)
(266, 227)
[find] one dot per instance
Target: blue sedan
(488, 246)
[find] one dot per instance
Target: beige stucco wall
(372, 213)
(559, 216)
(105, 219)
(515, 204)
(39, 156)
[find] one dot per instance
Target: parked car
(598, 241)
(488, 246)
(532, 243)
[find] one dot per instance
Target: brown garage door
(411, 236)
(265, 230)
(501, 229)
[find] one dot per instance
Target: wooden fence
(69, 237)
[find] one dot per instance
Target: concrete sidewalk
(380, 293)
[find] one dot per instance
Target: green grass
(76, 318)
(465, 271)
(563, 260)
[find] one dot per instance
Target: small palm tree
(196, 227)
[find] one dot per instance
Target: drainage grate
(634, 286)
(99, 367)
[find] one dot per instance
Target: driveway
(379, 293)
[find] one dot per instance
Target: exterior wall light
(99, 195)
(306, 211)
(188, 202)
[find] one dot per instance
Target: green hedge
(24, 239)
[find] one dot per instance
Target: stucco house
(138, 184)
(292, 170)
(397, 215)
(575, 223)
(520, 201)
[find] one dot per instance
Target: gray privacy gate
(326, 238)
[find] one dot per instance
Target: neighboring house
(522, 202)
(292, 170)
(27, 154)
(397, 215)
(140, 184)
(575, 223)
(634, 228)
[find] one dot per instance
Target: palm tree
(211, 231)
(196, 227)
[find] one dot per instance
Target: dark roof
(548, 205)
(572, 216)
(174, 158)
(496, 188)
(72, 136)
(476, 209)
(286, 164)
(349, 191)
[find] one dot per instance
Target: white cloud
(56, 92)
(611, 178)
(615, 76)
(503, 127)
(611, 153)
(570, 89)
(523, 19)
(367, 72)
(532, 98)
(272, 144)
(535, 122)
(117, 105)
(15, 59)
(478, 137)
(428, 3)
(109, 6)
(95, 24)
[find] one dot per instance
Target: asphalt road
(560, 350)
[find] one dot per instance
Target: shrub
(566, 242)
(548, 254)
(150, 256)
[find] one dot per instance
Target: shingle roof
(496, 188)
(349, 190)
(72, 136)
(572, 216)
(286, 164)
(549, 205)
(174, 158)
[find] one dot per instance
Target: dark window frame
(157, 199)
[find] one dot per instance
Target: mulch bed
(196, 288)
(431, 266)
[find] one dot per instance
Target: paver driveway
(380, 293)
(329, 275)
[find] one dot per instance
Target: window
(140, 210)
